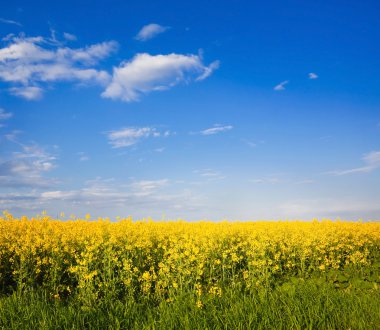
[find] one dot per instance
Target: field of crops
(144, 274)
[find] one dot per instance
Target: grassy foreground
(79, 274)
(310, 304)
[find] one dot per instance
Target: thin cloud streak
(8, 21)
(69, 36)
(5, 115)
(281, 86)
(150, 31)
(129, 136)
(371, 160)
(216, 129)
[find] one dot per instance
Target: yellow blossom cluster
(157, 260)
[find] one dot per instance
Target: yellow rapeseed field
(156, 260)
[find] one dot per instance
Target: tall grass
(309, 304)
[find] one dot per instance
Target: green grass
(299, 304)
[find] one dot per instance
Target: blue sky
(213, 110)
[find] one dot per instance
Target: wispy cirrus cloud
(210, 174)
(29, 63)
(267, 180)
(27, 92)
(216, 129)
(253, 144)
(9, 21)
(146, 73)
(147, 187)
(83, 156)
(129, 136)
(345, 208)
(281, 179)
(150, 31)
(5, 115)
(281, 86)
(371, 162)
(26, 168)
(69, 36)
(141, 198)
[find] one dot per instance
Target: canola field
(95, 262)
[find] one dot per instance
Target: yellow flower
(199, 304)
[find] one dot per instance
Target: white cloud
(140, 198)
(210, 174)
(69, 36)
(305, 181)
(89, 55)
(253, 144)
(150, 31)
(82, 156)
(26, 168)
(129, 136)
(146, 73)
(313, 75)
(216, 129)
(8, 21)
(209, 70)
(147, 187)
(5, 115)
(12, 136)
(371, 160)
(267, 180)
(282, 179)
(347, 209)
(8, 37)
(29, 63)
(281, 86)
(28, 92)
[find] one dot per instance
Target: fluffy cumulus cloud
(129, 136)
(371, 162)
(216, 129)
(150, 31)
(28, 64)
(146, 73)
